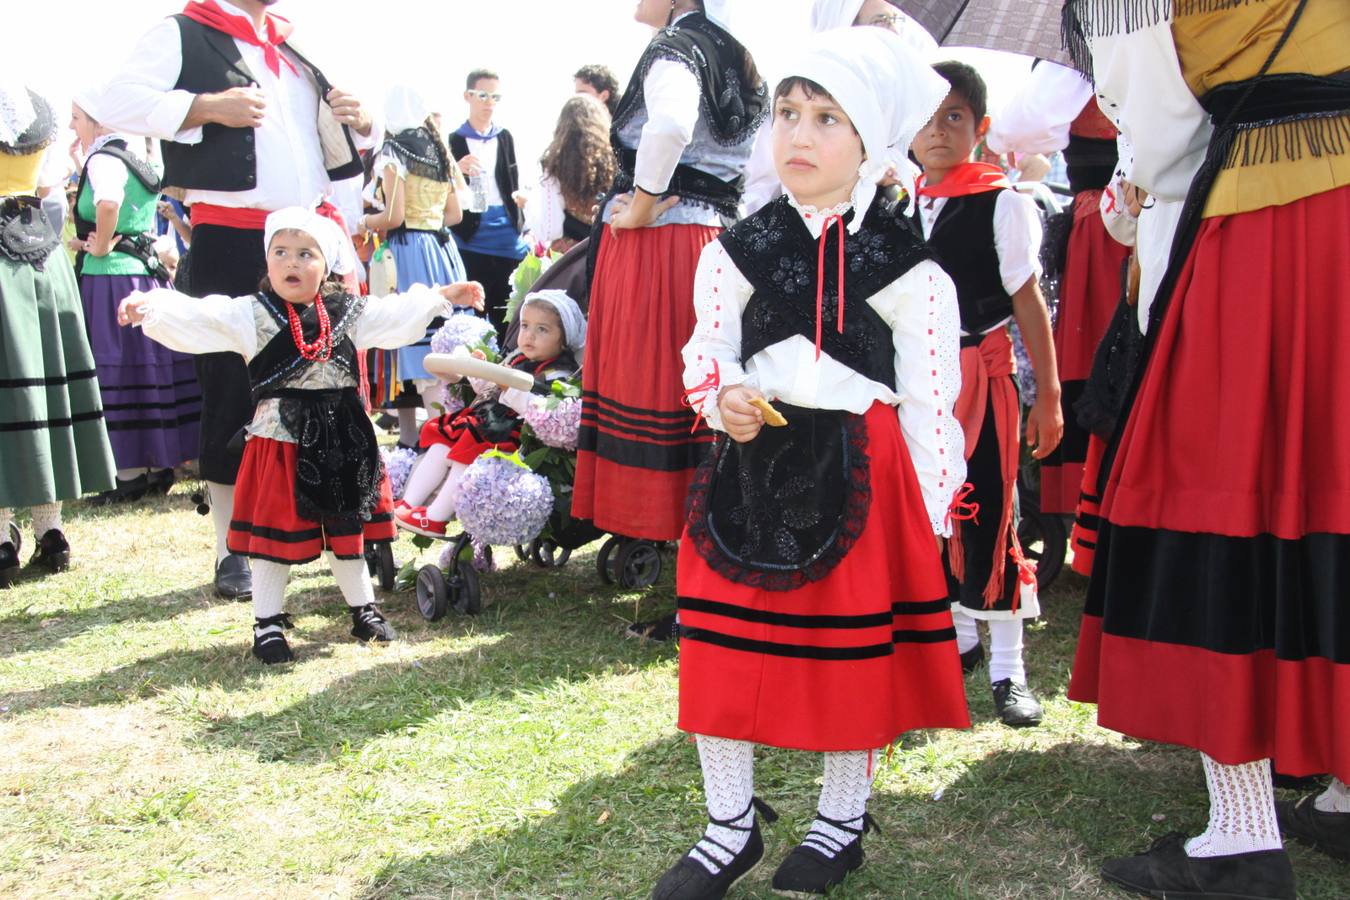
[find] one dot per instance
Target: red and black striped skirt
(463, 433)
(849, 662)
(265, 524)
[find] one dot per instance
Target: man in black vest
(489, 238)
(243, 133)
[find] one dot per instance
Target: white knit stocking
(46, 517)
(843, 798)
(269, 591)
(427, 475)
(442, 509)
(431, 396)
(222, 510)
(1335, 799)
(1005, 651)
(729, 786)
(1241, 810)
(967, 632)
(353, 579)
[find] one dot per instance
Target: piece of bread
(771, 416)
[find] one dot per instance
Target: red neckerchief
(209, 13)
(965, 179)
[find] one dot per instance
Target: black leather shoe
(1164, 870)
(689, 879)
(659, 630)
(273, 648)
(125, 491)
(234, 578)
(1016, 705)
(807, 871)
(369, 625)
(9, 564)
(972, 658)
(53, 551)
(1301, 820)
(160, 481)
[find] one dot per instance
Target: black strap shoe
(53, 551)
(690, 879)
(126, 491)
(1301, 820)
(809, 871)
(234, 578)
(1016, 705)
(272, 647)
(368, 624)
(9, 563)
(1164, 870)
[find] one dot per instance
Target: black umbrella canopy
(1030, 27)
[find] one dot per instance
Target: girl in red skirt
(813, 606)
(552, 334)
(312, 481)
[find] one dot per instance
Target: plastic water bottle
(477, 193)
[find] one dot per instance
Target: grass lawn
(527, 752)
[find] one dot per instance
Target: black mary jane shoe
(808, 872)
(658, 631)
(234, 578)
(126, 491)
(972, 658)
(273, 648)
(1016, 705)
(689, 879)
(53, 551)
(1301, 820)
(368, 624)
(1165, 871)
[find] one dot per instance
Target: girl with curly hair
(578, 168)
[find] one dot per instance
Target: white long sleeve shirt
(1038, 117)
(919, 307)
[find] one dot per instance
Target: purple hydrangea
(464, 330)
(448, 399)
(556, 427)
(502, 503)
(398, 462)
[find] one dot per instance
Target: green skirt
(53, 443)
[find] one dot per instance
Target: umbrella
(1030, 27)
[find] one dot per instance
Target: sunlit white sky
(367, 45)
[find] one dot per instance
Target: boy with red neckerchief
(988, 239)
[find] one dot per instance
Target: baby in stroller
(550, 342)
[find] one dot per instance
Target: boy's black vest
(963, 240)
(226, 159)
(507, 176)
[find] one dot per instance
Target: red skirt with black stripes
(462, 432)
(265, 524)
(849, 662)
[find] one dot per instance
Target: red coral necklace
(319, 350)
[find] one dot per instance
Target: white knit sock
(843, 798)
(1335, 799)
(222, 510)
(1005, 651)
(45, 518)
(353, 579)
(1241, 810)
(729, 786)
(967, 631)
(6, 517)
(129, 474)
(407, 427)
(269, 591)
(442, 509)
(427, 474)
(431, 397)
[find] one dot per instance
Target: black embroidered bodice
(777, 254)
(279, 362)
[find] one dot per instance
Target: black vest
(777, 255)
(279, 360)
(508, 182)
(963, 239)
(225, 159)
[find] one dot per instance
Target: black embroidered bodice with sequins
(777, 254)
(279, 362)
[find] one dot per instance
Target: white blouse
(544, 214)
(1037, 119)
(107, 175)
(919, 307)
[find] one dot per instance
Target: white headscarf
(404, 108)
(335, 246)
(16, 109)
(887, 91)
(90, 99)
(827, 15)
(569, 313)
(719, 11)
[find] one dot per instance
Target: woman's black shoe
(1164, 870)
(369, 625)
(53, 552)
(125, 491)
(808, 871)
(160, 481)
(689, 879)
(272, 647)
(659, 630)
(9, 564)
(1305, 823)
(1015, 704)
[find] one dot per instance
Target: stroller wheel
(432, 593)
(385, 567)
(466, 594)
(606, 563)
(639, 564)
(548, 555)
(1045, 542)
(523, 552)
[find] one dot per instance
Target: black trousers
(493, 273)
(229, 261)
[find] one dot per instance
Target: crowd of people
(791, 309)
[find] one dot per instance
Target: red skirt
(1216, 613)
(265, 524)
(1088, 294)
(638, 446)
(849, 662)
(461, 432)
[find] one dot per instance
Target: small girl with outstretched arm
(552, 338)
(312, 480)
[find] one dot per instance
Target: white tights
(1005, 645)
(435, 473)
(269, 585)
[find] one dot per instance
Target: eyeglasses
(885, 20)
(485, 96)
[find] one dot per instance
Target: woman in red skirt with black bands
(813, 605)
(1216, 612)
(312, 480)
(683, 134)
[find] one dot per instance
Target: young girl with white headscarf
(812, 602)
(312, 480)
